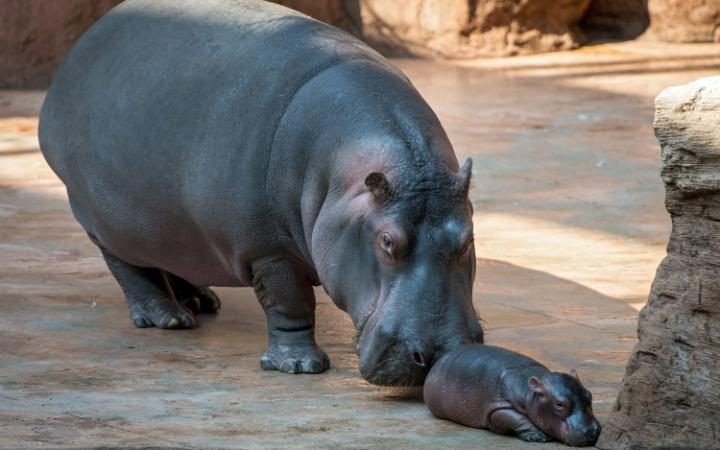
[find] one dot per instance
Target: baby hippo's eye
(560, 405)
(386, 242)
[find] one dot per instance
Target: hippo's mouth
(393, 368)
(363, 324)
(359, 332)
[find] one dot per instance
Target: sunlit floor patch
(613, 265)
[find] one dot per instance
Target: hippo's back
(161, 121)
(468, 384)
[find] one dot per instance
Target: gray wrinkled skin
(239, 143)
(508, 393)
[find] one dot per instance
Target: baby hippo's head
(562, 408)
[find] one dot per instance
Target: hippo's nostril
(419, 359)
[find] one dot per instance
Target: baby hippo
(508, 393)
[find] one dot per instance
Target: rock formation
(464, 28)
(684, 20)
(341, 13)
(615, 19)
(35, 36)
(670, 396)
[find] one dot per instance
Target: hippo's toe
(305, 359)
(199, 300)
(534, 436)
(162, 313)
(209, 301)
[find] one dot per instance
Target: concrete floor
(569, 227)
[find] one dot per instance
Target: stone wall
(35, 36)
(670, 397)
(684, 20)
(341, 13)
(466, 28)
(615, 19)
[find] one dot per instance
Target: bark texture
(464, 28)
(684, 20)
(670, 396)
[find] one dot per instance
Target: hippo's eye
(386, 242)
(560, 405)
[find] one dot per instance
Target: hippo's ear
(464, 175)
(379, 186)
(536, 385)
(573, 372)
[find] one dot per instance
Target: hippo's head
(562, 408)
(401, 262)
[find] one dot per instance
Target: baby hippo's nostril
(419, 359)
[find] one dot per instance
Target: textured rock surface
(35, 36)
(341, 13)
(615, 19)
(684, 20)
(460, 28)
(671, 390)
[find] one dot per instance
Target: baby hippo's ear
(536, 385)
(573, 372)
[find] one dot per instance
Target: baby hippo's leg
(509, 421)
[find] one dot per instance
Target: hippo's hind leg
(149, 295)
(199, 300)
(509, 421)
(287, 297)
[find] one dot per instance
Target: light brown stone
(684, 20)
(341, 13)
(671, 390)
(35, 36)
(464, 28)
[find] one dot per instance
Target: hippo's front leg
(509, 421)
(287, 297)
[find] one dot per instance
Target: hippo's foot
(510, 421)
(534, 436)
(199, 300)
(203, 301)
(149, 296)
(163, 312)
(295, 359)
(287, 297)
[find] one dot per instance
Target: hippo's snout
(584, 436)
(399, 356)
(399, 365)
(388, 360)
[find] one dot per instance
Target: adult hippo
(239, 143)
